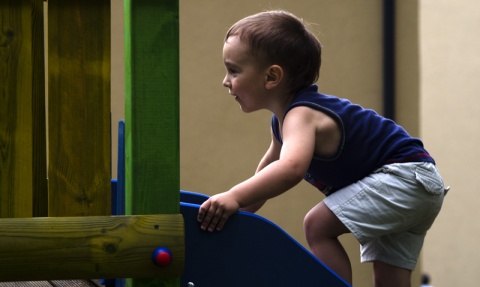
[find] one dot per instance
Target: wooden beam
(89, 247)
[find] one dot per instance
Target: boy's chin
(247, 110)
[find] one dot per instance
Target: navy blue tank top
(368, 142)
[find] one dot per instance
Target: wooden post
(152, 113)
(79, 107)
(22, 110)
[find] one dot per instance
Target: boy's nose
(225, 82)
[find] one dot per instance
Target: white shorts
(390, 211)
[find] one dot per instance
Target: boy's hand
(215, 211)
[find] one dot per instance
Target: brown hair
(281, 38)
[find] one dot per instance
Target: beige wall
(438, 64)
(450, 124)
(407, 85)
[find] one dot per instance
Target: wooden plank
(79, 107)
(75, 283)
(56, 283)
(62, 248)
(22, 109)
(26, 284)
(151, 111)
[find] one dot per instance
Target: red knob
(162, 256)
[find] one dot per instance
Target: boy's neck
(280, 104)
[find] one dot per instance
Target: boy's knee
(321, 222)
(315, 229)
(307, 226)
(311, 226)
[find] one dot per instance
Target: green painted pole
(152, 111)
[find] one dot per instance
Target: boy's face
(244, 79)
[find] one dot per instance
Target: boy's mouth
(230, 92)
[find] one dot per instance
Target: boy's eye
(232, 70)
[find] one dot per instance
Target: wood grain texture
(89, 247)
(79, 107)
(22, 109)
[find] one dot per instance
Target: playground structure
(62, 228)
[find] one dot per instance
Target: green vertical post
(152, 111)
(23, 186)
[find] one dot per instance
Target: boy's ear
(274, 76)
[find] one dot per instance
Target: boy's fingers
(207, 215)
(221, 223)
(203, 210)
(212, 215)
(216, 218)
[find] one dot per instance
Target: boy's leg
(386, 275)
(322, 229)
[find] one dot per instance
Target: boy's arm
(272, 154)
(300, 129)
